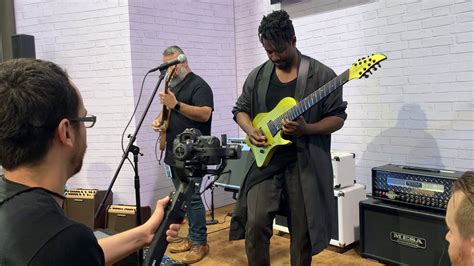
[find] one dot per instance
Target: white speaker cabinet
(343, 165)
(346, 216)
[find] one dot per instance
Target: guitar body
(164, 128)
(264, 154)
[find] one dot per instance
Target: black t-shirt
(193, 90)
(278, 90)
(34, 230)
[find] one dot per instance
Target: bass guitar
(270, 124)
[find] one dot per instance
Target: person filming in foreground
(43, 139)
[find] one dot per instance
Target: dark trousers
(264, 200)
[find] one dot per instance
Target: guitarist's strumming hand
(257, 138)
(294, 128)
(168, 99)
(156, 124)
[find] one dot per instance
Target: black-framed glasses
(89, 121)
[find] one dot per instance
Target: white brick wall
(417, 109)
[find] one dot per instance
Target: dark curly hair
(276, 27)
(34, 95)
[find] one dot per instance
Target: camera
(193, 152)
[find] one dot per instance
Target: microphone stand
(135, 150)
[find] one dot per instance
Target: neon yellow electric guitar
(270, 123)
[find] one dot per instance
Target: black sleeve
(244, 101)
(75, 245)
(202, 95)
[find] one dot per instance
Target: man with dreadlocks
(298, 178)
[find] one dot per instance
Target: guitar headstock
(363, 66)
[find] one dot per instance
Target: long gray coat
(313, 152)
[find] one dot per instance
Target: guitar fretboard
(309, 101)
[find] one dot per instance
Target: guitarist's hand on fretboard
(294, 128)
(168, 99)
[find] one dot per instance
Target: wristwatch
(177, 106)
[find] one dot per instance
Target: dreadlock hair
(464, 216)
(276, 27)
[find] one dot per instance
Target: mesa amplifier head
(416, 186)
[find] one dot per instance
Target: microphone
(180, 59)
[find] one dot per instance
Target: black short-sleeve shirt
(193, 90)
(35, 231)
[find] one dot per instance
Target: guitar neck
(312, 99)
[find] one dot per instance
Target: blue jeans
(196, 212)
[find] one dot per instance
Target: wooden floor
(225, 252)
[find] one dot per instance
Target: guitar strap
(302, 77)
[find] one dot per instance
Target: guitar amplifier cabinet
(346, 215)
(123, 217)
(81, 204)
(343, 167)
(401, 235)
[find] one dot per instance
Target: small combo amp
(123, 217)
(402, 235)
(421, 187)
(343, 167)
(81, 204)
(345, 216)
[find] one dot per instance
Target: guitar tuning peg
(366, 76)
(375, 69)
(379, 65)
